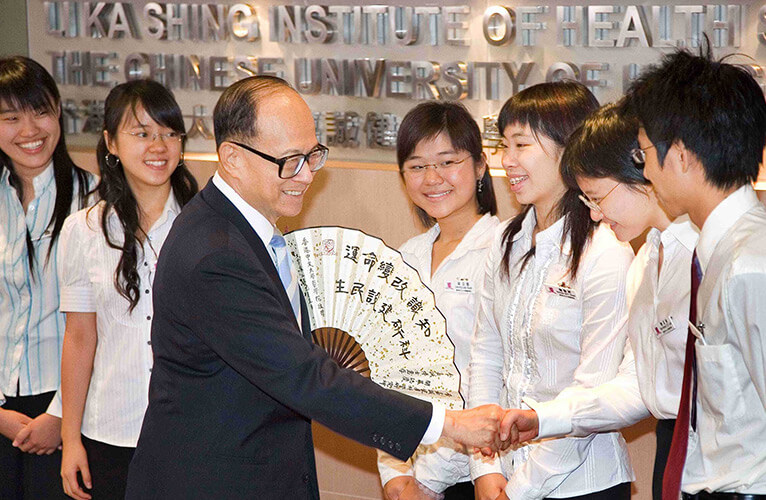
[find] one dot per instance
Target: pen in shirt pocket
(695, 331)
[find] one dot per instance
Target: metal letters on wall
(363, 66)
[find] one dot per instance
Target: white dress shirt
(119, 385)
(31, 326)
(579, 410)
(539, 333)
(455, 284)
(728, 450)
(265, 230)
(650, 376)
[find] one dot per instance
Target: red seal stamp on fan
(328, 247)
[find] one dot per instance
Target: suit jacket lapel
(213, 197)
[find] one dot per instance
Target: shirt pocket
(719, 383)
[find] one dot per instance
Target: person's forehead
(6, 106)
(440, 143)
(13, 107)
(593, 185)
(28, 103)
(281, 105)
(517, 129)
(285, 118)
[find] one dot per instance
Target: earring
(181, 162)
(116, 162)
(479, 185)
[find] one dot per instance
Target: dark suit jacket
(235, 384)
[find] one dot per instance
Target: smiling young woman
(39, 187)
(552, 308)
(106, 267)
(445, 174)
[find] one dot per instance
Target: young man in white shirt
(703, 125)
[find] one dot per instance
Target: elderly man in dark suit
(236, 378)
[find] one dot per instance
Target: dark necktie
(687, 408)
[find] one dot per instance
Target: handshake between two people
(490, 428)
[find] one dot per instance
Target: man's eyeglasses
(443, 167)
(592, 205)
(638, 155)
(290, 166)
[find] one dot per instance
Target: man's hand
(481, 427)
(74, 459)
(11, 422)
(524, 426)
(42, 436)
(490, 487)
(525, 423)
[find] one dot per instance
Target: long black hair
(553, 110)
(26, 86)
(601, 148)
(429, 119)
(114, 190)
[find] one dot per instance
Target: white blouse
(659, 314)
(119, 386)
(540, 333)
(657, 326)
(455, 284)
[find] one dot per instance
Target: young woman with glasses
(446, 177)
(604, 159)
(39, 187)
(552, 309)
(106, 265)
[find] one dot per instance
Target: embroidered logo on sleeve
(562, 290)
(665, 326)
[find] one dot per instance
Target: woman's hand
(490, 487)
(417, 491)
(41, 436)
(408, 488)
(74, 459)
(12, 422)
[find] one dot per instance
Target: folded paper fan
(372, 313)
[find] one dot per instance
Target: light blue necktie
(285, 270)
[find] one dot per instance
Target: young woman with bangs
(552, 310)
(106, 266)
(602, 157)
(39, 187)
(445, 174)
